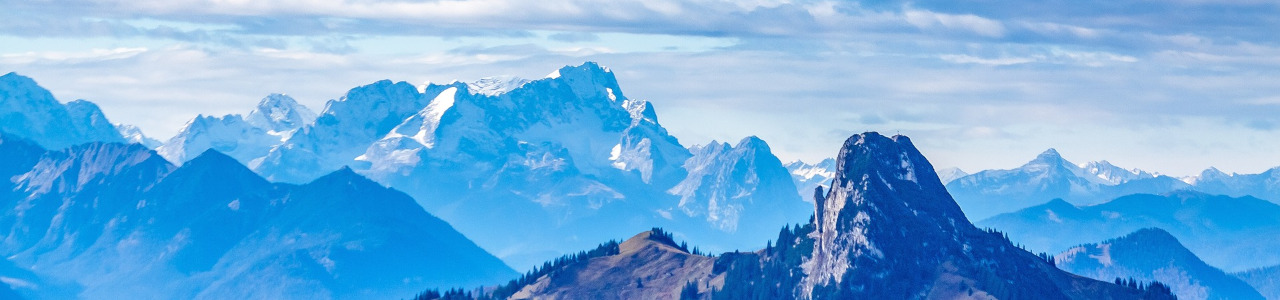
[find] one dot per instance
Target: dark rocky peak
(892, 172)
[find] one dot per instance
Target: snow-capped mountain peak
(1096, 172)
(133, 134)
(229, 134)
(640, 110)
(887, 218)
(822, 169)
(759, 187)
(1049, 159)
(495, 85)
(279, 113)
(1113, 175)
(30, 111)
(590, 80)
(807, 177)
(949, 174)
(1208, 175)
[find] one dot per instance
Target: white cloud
(1050, 29)
(1003, 61)
(69, 57)
(792, 72)
(931, 20)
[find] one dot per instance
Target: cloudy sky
(1173, 86)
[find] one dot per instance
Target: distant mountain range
(887, 230)
(808, 178)
(285, 203)
(119, 221)
(1050, 176)
(529, 169)
(1151, 254)
(1226, 232)
(245, 138)
(31, 112)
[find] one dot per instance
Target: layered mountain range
(1050, 176)
(1151, 254)
(1227, 232)
(529, 169)
(31, 112)
(246, 138)
(1265, 280)
(887, 229)
(118, 221)
(99, 219)
(285, 203)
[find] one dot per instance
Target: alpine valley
(432, 191)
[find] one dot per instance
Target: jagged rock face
(30, 111)
(246, 138)
(280, 113)
(1153, 254)
(887, 229)
(885, 203)
(728, 184)
(345, 128)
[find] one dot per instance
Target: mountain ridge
(886, 230)
(31, 111)
(120, 220)
(1152, 254)
(1218, 229)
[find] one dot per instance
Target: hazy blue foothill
(1049, 176)
(119, 221)
(1227, 232)
(1151, 254)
